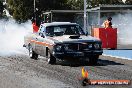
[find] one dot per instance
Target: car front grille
(79, 46)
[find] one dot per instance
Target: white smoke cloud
(12, 36)
(124, 1)
(123, 22)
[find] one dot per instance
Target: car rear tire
(93, 60)
(32, 54)
(51, 58)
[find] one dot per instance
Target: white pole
(34, 6)
(34, 9)
(99, 18)
(85, 17)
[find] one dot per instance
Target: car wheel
(51, 58)
(93, 60)
(32, 54)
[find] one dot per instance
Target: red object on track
(108, 37)
(35, 27)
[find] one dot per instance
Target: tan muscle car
(63, 40)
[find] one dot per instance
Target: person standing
(107, 23)
(34, 25)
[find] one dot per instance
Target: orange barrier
(108, 37)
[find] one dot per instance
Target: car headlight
(66, 47)
(58, 47)
(97, 46)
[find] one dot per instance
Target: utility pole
(85, 16)
(34, 10)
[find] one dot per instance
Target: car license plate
(78, 54)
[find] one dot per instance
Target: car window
(64, 30)
(49, 31)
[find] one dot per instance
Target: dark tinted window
(64, 30)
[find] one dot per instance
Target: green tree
(95, 3)
(75, 4)
(128, 2)
(1, 8)
(21, 10)
(51, 4)
(78, 4)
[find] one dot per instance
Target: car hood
(72, 38)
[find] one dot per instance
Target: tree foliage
(95, 3)
(51, 4)
(1, 8)
(128, 2)
(76, 4)
(23, 10)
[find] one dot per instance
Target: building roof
(64, 11)
(58, 23)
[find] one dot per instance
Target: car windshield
(64, 30)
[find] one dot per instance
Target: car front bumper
(77, 54)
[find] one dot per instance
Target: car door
(41, 46)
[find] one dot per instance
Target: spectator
(107, 23)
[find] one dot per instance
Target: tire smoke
(123, 22)
(12, 36)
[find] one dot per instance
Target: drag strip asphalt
(19, 71)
